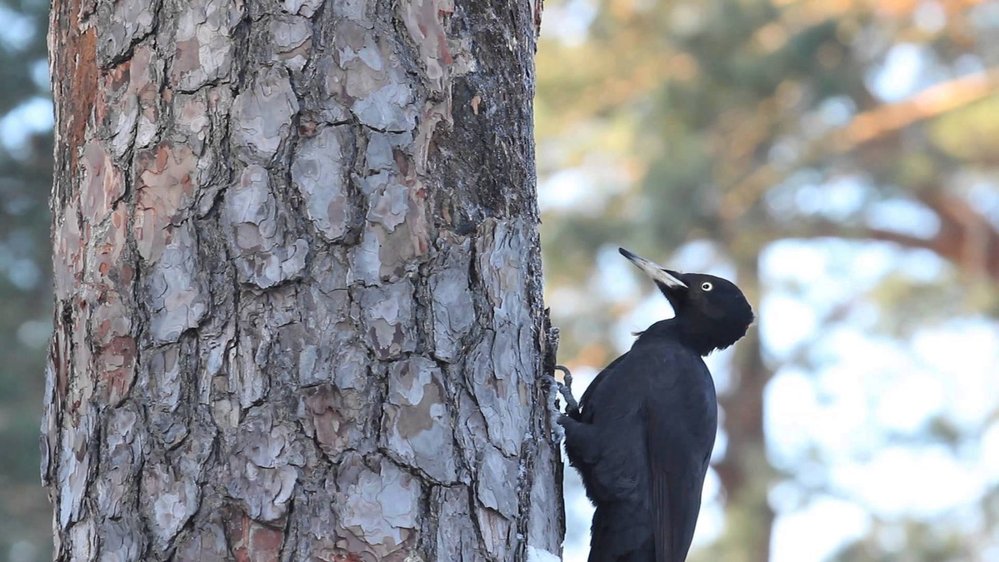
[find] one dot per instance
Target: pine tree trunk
(745, 472)
(298, 283)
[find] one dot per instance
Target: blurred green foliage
(25, 287)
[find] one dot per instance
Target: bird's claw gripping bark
(565, 389)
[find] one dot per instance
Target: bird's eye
(707, 286)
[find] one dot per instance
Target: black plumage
(642, 434)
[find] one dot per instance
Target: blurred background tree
(839, 159)
(25, 286)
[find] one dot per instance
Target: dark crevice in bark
(473, 508)
(524, 483)
(241, 43)
(286, 529)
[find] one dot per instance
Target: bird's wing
(676, 464)
(675, 485)
(591, 390)
(659, 483)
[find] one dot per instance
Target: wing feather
(680, 423)
(659, 480)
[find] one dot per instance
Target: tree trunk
(298, 283)
(745, 472)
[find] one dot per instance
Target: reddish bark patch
(67, 244)
(166, 189)
(253, 542)
(102, 183)
(106, 260)
(112, 82)
(74, 61)
(265, 542)
(116, 368)
(332, 431)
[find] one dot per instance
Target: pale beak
(658, 274)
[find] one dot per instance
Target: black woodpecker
(642, 434)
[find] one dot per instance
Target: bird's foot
(565, 389)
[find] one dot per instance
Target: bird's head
(711, 312)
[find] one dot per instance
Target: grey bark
(298, 283)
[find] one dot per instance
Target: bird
(642, 434)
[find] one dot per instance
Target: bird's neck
(682, 332)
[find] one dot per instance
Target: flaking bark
(298, 283)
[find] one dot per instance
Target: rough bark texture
(297, 282)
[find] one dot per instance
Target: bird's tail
(621, 532)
